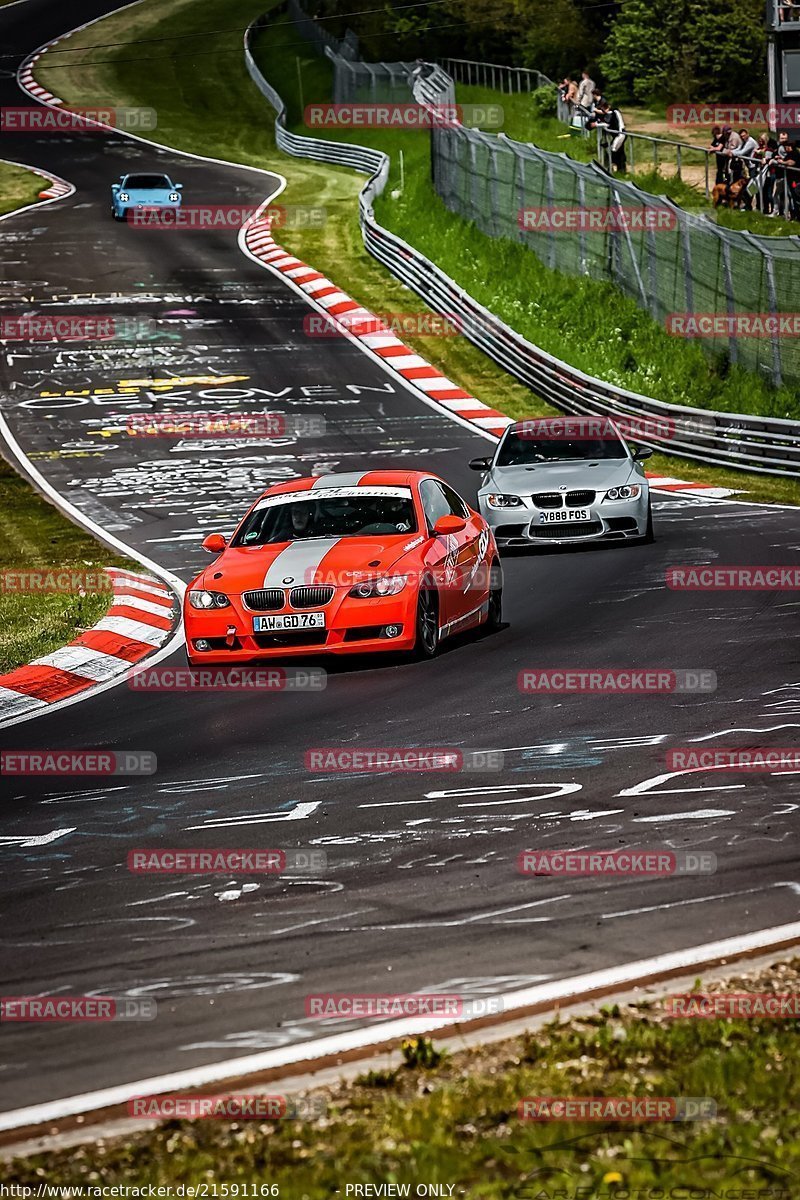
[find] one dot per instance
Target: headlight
(628, 491)
(174, 197)
(124, 196)
(387, 585)
(498, 500)
(206, 600)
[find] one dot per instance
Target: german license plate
(272, 624)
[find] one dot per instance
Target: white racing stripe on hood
(298, 562)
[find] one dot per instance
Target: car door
(453, 554)
(472, 577)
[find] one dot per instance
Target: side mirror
(449, 524)
(480, 464)
(215, 543)
(642, 453)
(177, 185)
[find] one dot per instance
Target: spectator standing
(718, 148)
(765, 179)
(586, 90)
(741, 153)
(568, 91)
(782, 159)
(613, 121)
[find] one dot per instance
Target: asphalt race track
(421, 889)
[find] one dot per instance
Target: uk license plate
(281, 621)
(563, 514)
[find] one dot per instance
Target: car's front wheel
(428, 637)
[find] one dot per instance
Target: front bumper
(609, 520)
(351, 627)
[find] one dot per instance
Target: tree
(687, 50)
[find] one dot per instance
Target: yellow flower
(612, 1177)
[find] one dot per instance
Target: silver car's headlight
(206, 600)
(628, 491)
(124, 196)
(499, 500)
(174, 197)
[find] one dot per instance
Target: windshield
(286, 519)
(518, 451)
(147, 181)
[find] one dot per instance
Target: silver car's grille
(265, 600)
(310, 597)
(577, 499)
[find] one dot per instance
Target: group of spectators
(589, 108)
(789, 11)
(768, 167)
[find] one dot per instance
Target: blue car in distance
(146, 192)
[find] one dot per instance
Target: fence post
(729, 296)
(678, 161)
(551, 241)
(629, 242)
(582, 230)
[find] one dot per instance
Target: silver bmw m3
(565, 480)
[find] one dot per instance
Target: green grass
(195, 95)
(18, 187)
(457, 1123)
(36, 537)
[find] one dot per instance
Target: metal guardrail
(766, 445)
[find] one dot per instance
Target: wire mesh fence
(318, 36)
(679, 266)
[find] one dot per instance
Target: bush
(545, 102)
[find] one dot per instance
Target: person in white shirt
(586, 90)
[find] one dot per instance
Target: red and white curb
(143, 615)
(361, 325)
(665, 483)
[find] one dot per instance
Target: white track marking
(39, 839)
(294, 814)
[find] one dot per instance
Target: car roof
(319, 483)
